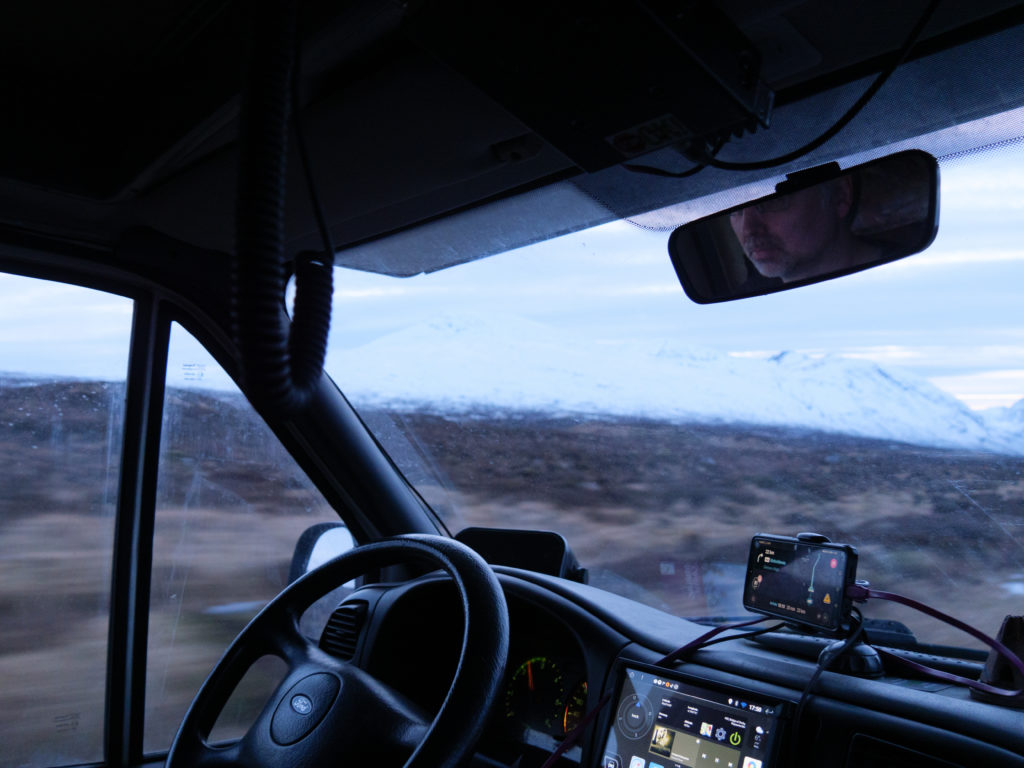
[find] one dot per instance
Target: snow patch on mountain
(466, 363)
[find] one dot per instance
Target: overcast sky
(952, 314)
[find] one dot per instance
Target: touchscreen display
(799, 581)
(662, 720)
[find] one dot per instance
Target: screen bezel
(840, 625)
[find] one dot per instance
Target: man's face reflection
(796, 235)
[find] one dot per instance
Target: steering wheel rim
(451, 734)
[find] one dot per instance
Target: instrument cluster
(546, 689)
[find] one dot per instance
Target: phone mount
(852, 656)
(858, 659)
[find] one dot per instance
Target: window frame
(134, 518)
(68, 264)
(133, 537)
(362, 485)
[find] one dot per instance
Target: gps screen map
(799, 581)
(662, 720)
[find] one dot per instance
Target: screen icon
(706, 729)
(751, 762)
(639, 762)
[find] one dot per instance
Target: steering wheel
(326, 711)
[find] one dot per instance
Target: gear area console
(663, 719)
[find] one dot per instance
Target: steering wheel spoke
(202, 755)
(326, 708)
(288, 643)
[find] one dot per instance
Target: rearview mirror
(820, 223)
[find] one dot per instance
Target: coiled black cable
(282, 362)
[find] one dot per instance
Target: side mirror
(820, 223)
(318, 544)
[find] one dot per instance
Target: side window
(63, 362)
(231, 505)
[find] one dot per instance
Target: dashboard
(573, 647)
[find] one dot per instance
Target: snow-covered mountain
(1009, 419)
(470, 364)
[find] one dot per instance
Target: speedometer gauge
(536, 696)
(575, 707)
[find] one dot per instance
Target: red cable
(861, 593)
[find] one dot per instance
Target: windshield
(571, 386)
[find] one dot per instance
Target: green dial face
(575, 707)
(536, 696)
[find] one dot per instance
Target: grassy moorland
(659, 511)
(230, 507)
(671, 508)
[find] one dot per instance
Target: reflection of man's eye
(771, 205)
(775, 204)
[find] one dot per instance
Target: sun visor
(478, 232)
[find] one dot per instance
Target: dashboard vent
(341, 635)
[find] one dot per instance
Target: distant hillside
(464, 363)
(69, 433)
(60, 446)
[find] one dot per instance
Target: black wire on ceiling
(851, 113)
(701, 164)
(650, 170)
(756, 165)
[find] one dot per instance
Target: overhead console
(663, 719)
(680, 74)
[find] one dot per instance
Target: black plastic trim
(133, 535)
